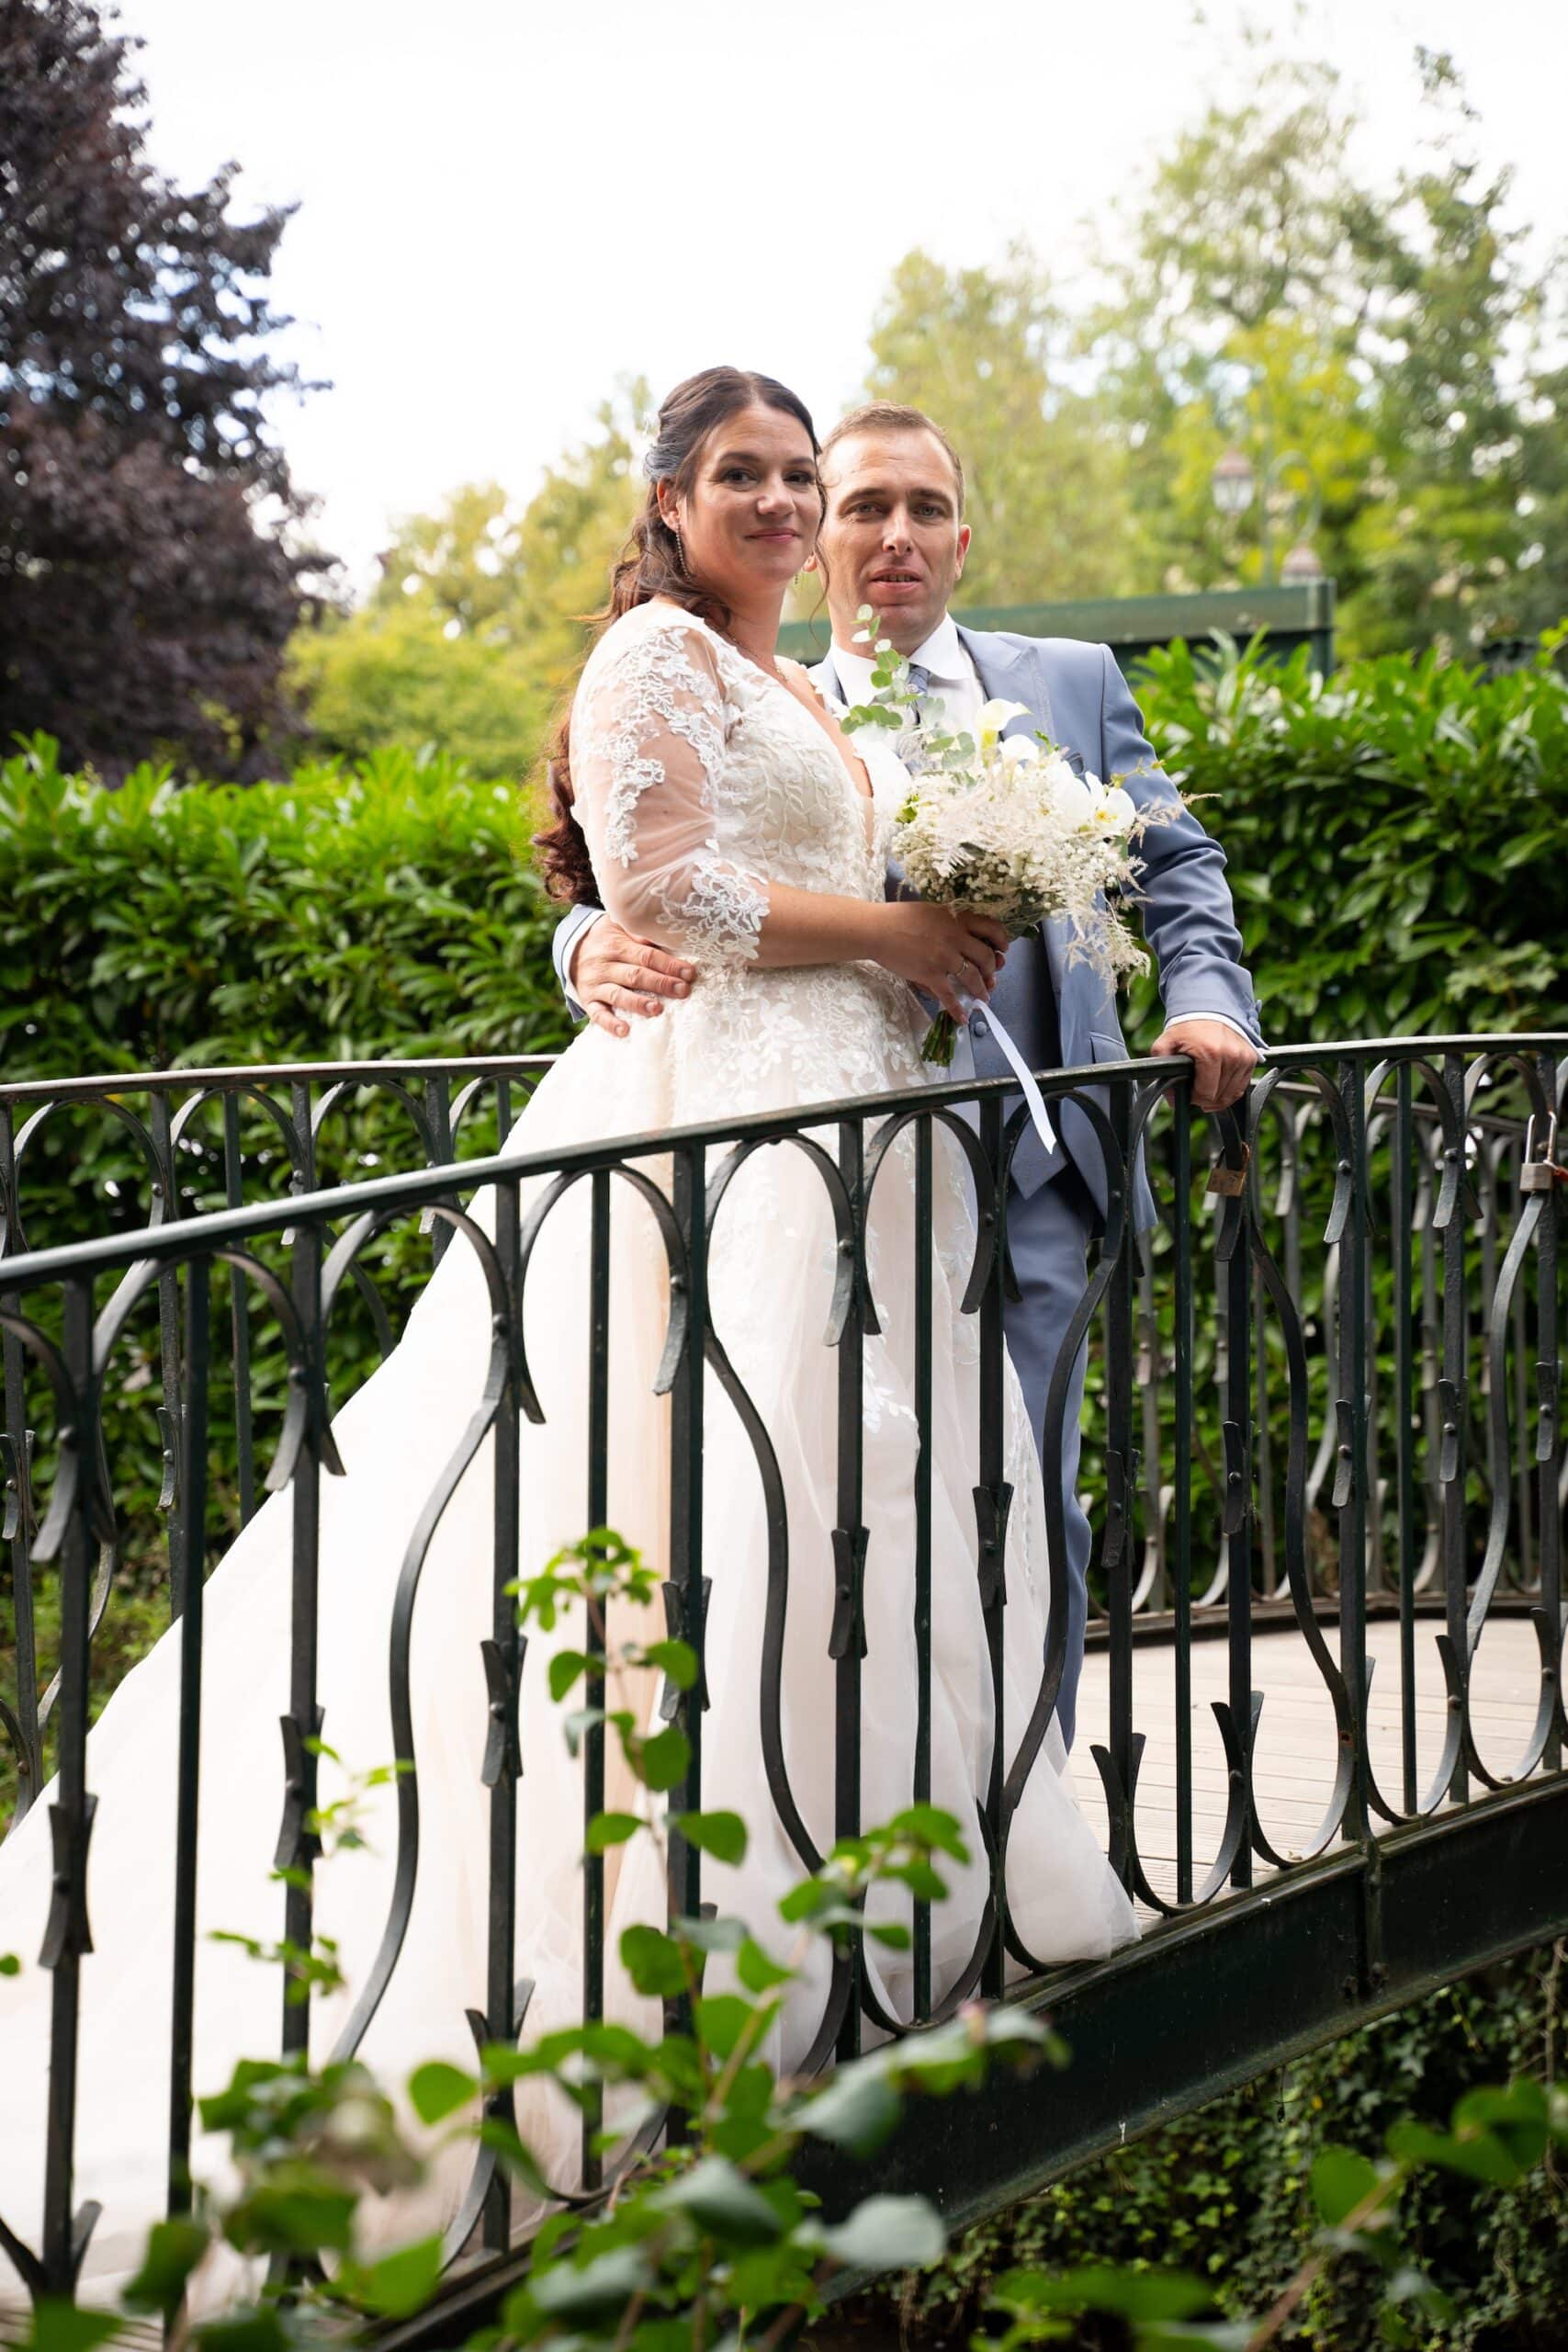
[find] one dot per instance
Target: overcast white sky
(507, 203)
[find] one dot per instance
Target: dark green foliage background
(1224, 2192)
(390, 907)
(1395, 834)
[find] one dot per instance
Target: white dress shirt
(955, 683)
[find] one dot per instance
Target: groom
(893, 537)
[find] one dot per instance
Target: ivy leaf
(888, 2234)
(928, 1825)
(598, 2292)
(665, 1758)
(59, 2326)
(723, 2202)
(857, 2110)
(174, 2249)
(565, 1668)
(758, 1971)
(678, 1659)
(652, 1962)
(710, 1935)
(607, 1829)
(397, 2286)
(721, 2019)
(722, 1835)
(1145, 2297)
(254, 2331)
(438, 2090)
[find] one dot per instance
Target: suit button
(977, 1026)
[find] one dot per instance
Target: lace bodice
(699, 780)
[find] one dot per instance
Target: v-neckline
(869, 792)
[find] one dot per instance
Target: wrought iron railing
(1324, 1385)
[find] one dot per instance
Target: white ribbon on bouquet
(1025, 1077)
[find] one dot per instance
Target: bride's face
(750, 518)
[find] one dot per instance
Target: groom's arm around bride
(894, 538)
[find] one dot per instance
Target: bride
(714, 807)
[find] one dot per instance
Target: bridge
(1322, 1723)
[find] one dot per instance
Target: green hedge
(387, 908)
(1395, 837)
(1395, 834)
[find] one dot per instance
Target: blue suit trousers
(1049, 1231)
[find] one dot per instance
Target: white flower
(992, 716)
(1020, 751)
(1114, 810)
(1067, 796)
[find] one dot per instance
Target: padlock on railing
(1540, 1172)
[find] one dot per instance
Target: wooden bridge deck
(1296, 1747)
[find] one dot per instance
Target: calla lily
(1069, 796)
(1115, 811)
(992, 716)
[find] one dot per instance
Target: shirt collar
(943, 655)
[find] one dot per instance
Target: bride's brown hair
(654, 563)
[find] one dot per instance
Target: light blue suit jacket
(1077, 693)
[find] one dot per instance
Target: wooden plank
(1297, 1753)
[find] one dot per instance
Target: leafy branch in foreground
(702, 2236)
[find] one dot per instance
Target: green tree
(984, 350)
(1236, 320)
(145, 603)
(1452, 549)
(1375, 351)
(470, 638)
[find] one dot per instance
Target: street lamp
(1234, 484)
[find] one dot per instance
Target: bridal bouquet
(1006, 826)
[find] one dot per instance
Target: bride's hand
(951, 952)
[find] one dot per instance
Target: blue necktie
(920, 679)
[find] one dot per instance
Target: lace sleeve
(647, 737)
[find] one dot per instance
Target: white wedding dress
(700, 779)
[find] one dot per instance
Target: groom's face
(892, 534)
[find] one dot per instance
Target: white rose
(1020, 751)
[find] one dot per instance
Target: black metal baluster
(686, 1590)
(1351, 1486)
(502, 1768)
(1183, 1334)
(1405, 1420)
(298, 1846)
(993, 1501)
(1523, 1574)
(67, 1935)
(1549, 1424)
(594, 1643)
(1235, 1272)
(923, 1309)
(17, 1447)
(847, 1642)
(166, 1193)
(240, 1317)
(1122, 1490)
(199, 1274)
(1452, 1448)
(438, 1114)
